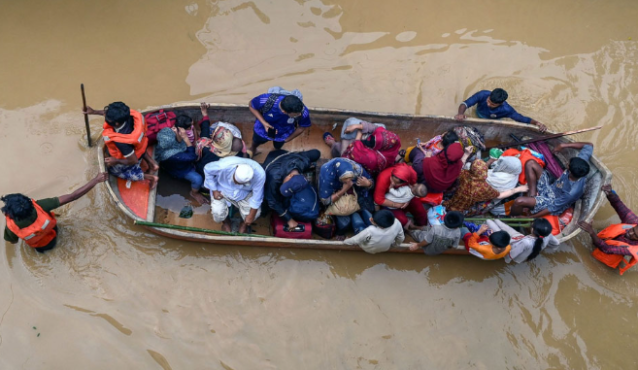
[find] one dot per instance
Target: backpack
(157, 121)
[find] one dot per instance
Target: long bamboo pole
(554, 136)
(86, 117)
(188, 228)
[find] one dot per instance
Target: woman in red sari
(375, 153)
(396, 177)
(439, 172)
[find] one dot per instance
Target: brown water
(113, 296)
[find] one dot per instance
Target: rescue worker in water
(126, 142)
(616, 240)
(33, 221)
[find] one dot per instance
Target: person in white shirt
(384, 233)
(527, 247)
(235, 181)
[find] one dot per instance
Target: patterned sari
(378, 157)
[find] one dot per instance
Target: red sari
(381, 156)
(415, 207)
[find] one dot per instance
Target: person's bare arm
(541, 127)
(251, 216)
(509, 193)
(259, 117)
(467, 153)
(129, 161)
(92, 111)
(344, 189)
(578, 145)
(460, 115)
(296, 133)
(79, 193)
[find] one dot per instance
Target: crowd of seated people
(369, 188)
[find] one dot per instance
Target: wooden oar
(188, 228)
(86, 117)
(554, 136)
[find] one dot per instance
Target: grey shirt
(439, 238)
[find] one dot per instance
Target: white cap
(243, 173)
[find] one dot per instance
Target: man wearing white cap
(235, 181)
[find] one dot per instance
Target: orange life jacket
(614, 260)
(137, 138)
(40, 232)
(524, 156)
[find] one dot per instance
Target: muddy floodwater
(114, 296)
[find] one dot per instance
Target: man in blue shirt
(280, 119)
(545, 198)
(493, 105)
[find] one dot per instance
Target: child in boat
(436, 239)
(405, 194)
(185, 122)
(527, 247)
(494, 247)
(384, 233)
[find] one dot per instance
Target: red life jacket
(40, 232)
(137, 138)
(613, 261)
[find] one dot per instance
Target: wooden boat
(141, 204)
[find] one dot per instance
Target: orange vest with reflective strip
(40, 232)
(137, 138)
(608, 234)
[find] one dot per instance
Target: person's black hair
(17, 206)
(383, 218)
(578, 167)
(540, 228)
(370, 142)
(453, 219)
(498, 96)
(448, 139)
(117, 113)
(500, 239)
(184, 121)
(292, 104)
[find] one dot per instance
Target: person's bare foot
(152, 180)
(340, 238)
(227, 226)
(198, 197)
(328, 139)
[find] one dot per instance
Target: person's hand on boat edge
(217, 195)
(541, 127)
(101, 177)
(204, 107)
(587, 227)
(607, 189)
(460, 117)
(414, 246)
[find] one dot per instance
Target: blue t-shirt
(284, 125)
(567, 191)
(483, 111)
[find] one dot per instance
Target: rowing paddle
(554, 136)
(86, 117)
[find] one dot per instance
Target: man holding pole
(493, 105)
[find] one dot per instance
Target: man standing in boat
(126, 142)
(493, 105)
(281, 117)
(32, 220)
(235, 181)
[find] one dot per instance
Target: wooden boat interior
(163, 204)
